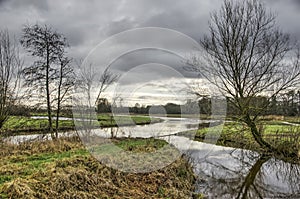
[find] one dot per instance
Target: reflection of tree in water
(245, 174)
(249, 180)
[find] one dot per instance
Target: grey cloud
(13, 4)
(2, 1)
(119, 25)
(87, 23)
(136, 58)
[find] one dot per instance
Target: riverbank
(284, 136)
(64, 169)
(20, 125)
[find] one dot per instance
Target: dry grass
(64, 169)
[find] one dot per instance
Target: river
(223, 172)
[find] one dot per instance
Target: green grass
(295, 120)
(233, 128)
(21, 123)
(26, 124)
(108, 120)
(275, 128)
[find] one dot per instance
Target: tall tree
(10, 66)
(246, 55)
(47, 46)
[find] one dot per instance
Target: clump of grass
(39, 147)
(18, 188)
(64, 169)
(139, 144)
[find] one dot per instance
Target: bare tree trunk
(57, 116)
(251, 176)
(50, 128)
(257, 134)
(58, 101)
(57, 120)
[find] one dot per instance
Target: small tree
(246, 55)
(90, 81)
(47, 46)
(65, 83)
(10, 66)
(88, 78)
(106, 79)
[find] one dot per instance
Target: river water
(223, 172)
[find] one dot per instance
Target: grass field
(64, 169)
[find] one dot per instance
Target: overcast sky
(86, 23)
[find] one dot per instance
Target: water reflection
(245, 174)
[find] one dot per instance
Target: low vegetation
(64, 169)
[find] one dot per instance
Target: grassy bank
(64, 169)
(27, 125)
(283, 136)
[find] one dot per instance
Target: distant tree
(245, 56)
(172, 108)
(47, 47)
(10, 66)
(103, 106)
(205, 105)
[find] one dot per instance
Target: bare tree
(92, 82)
(47, 46)
(245, 56)
(65, 83)
(106, 79)
(89, 78)
(85, 80)
(10, 66)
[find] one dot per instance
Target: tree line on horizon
(287, 104)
